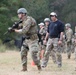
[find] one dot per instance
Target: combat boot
(69, 56)
(24, 68)
(39, 67)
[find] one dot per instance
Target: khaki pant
(49, 48)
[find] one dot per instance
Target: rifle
(14, 26)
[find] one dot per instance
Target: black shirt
(55, 28)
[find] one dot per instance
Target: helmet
(41, 24)
(46, 20)
(22, 10)
(75, 33)
(68, 25)
(53, 14)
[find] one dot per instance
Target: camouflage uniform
(52, 45)
(69, 34)
(75, 45)
(42, 33)
(64, 45)
(52, 53)
(31, 42)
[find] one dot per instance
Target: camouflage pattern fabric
(30, 29)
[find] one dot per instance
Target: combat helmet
(22, 10)
(46, 20)
(68, 25)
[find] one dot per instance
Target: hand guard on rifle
(15, 26)
(10, 29)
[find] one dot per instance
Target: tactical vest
(32, 33)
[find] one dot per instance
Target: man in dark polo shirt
(55, 33)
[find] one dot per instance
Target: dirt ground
(10, 64)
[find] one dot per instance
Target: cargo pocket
(33, 37)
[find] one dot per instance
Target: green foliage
(2, 47)
(7, 46)
(39, 9)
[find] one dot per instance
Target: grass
(2, 48)
(7, 46)
(10, 64)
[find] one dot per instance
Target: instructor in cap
(55, 33)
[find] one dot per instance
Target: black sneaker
(59, 65)
(43, 66)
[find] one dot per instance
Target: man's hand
(59, 42)
(16, 30)
(75, 40)
(44, 42)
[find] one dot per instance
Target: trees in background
(39, 9)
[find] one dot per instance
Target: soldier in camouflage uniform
(52, 54)
(30, 31)
(46, 21)
(64, 44)
(69, 34)
(75, 44)
(42, 33)
(55, 33)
